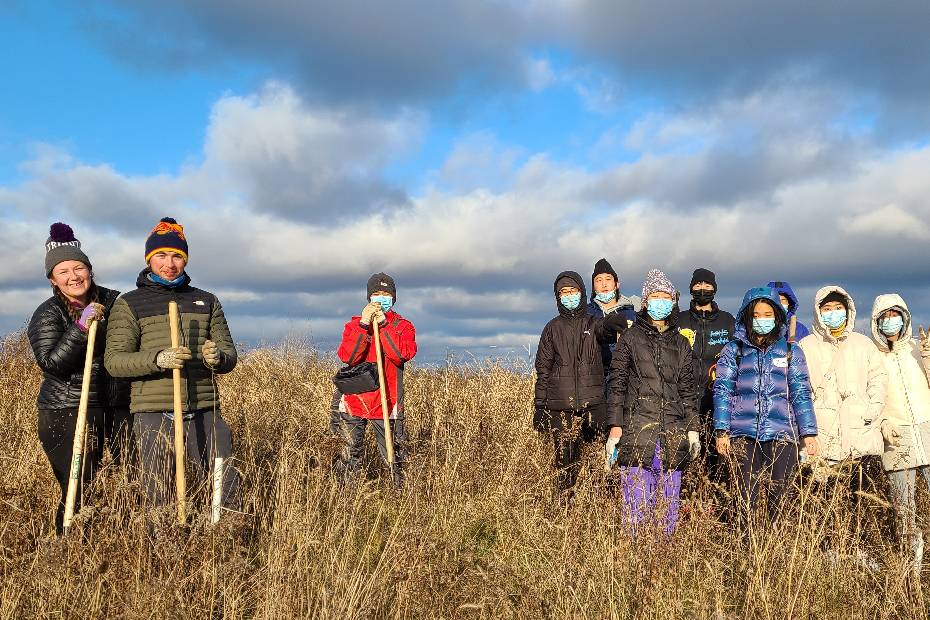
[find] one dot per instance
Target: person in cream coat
(906, 424)
(848, 380)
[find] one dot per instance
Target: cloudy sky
(472, 149)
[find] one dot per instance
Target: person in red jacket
(398, 346)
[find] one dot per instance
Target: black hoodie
(710, 331)
(569, 368)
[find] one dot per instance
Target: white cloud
(475, 260)
(887, 222)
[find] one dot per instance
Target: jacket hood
(751, 296)
(783, 288)
(885, 302)
(143, 280)
(819, 326)
(579, 282)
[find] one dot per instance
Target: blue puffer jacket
(783, 288)
(754, 386)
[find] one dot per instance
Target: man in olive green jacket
(139, 348)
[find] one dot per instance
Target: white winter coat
(908, 403)
(848, 382)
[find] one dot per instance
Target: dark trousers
(353, 428)
(571, 431)
(760, 462)
(206, 438)
(106, 429)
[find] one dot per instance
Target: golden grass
(475, 534)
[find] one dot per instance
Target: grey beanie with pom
(62, 245)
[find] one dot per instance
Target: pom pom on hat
(61, 233)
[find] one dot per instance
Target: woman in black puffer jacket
(652, 408)
(58, 335)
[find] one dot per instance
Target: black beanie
(62, 245)
(381, 282)
(703, 275)
(835, 296)
(602, 266)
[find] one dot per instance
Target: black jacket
(60, 347)
(711, 331)
(569, 369)
(651, 393)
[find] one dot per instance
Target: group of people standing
(660, 386)
(131, 397)
(663, 386)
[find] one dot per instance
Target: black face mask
(703, 297)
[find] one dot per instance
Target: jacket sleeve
(59, 348)
(219, 334)
(725, 387)
(618, 380)
(398, 342)
(123, 357)
(608, 328)
(799, 389)
(877, 388)
(355, 341)
(545, 358)
(686, 386)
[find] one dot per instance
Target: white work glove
(210, 354)
(891, 434)
(611, 451)
(694, 444)
(173, 358)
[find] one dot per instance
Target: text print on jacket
(907, 403)
(399, 346)
(763, 394)
(848, 385)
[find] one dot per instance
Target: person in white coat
(906, 424)
(849, 384)
(848, 380)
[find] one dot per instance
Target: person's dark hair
(764, 340)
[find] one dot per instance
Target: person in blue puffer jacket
(762, 400)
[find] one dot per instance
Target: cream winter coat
(908, 403)
(849, 383)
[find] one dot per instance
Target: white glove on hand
(891, 434)
(210, 354)
(174, 358)
(611, 452)
(694, 444)
(924, 342)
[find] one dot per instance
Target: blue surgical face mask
(606, 298)
(659, 309)
(386, 301)
(892, 325)
(763, 326)
(833, 319)
(571, 301)
(786, 307)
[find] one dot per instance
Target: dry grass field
(475, 534)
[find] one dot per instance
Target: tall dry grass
(475, 534)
